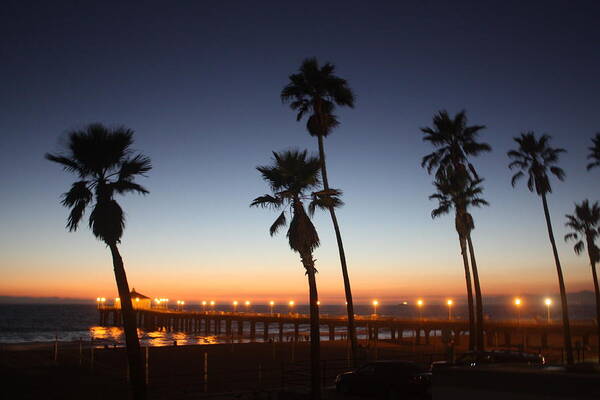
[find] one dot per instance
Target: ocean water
(28, 323)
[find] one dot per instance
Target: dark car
(387, 379)
(480, 358)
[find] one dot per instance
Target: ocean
(31, 323)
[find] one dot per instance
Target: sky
(199, 83)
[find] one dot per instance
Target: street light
(518, 303)
(271, 304)
(449, 302)
(98, 302)
(212, 305)
(291, 303)
(204, 305)
(375, 304)
(548, 302)
(420, 306)
(235, 304)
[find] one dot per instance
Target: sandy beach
(177, 372)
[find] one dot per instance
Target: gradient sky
(199, 82)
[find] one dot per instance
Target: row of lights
(420, 303)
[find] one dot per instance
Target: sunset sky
(199, 82)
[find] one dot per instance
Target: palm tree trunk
(315, 336)
(463, 251)
(561, 285)
(478, 297)
(134, 355)
(593, 257)
(346, 278)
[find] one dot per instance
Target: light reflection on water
(113, 336)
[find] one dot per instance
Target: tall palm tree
(455, 142)
(455, 191)
(290, 177)
(101, 159)
(585, 223)
(316, 90)
(536, 159)
(594, 152)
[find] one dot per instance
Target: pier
(286, 326)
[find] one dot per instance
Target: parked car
(387, 379)
(479, 358)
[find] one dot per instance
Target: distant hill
(42, 300)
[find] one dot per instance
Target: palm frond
(279, 223)
(138, 165)
(266, 201)
(68, 164)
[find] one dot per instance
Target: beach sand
(29, 371)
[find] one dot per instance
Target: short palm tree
(455, 191)
(585, 223)
(316, 91)
(594, 152)
(101, 158)
(291, 176)
(455, 142)
(535, 159)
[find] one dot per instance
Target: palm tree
(585, 223)
(101, 158)
(536, 159)
(456, 191)
(455, 142)
(290, 177)
(316, 90)
(594, 152)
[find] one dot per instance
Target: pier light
(291, 304)
(271, 304)
(212, 305)
(419, 307)
(235, 304)
(98, 302)
(449, 303)
(318, 302)
(375, 304)
(518, 303)
(548, 303)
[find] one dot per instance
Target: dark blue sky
(199, 82)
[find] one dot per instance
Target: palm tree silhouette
(585, 223)
(101, 158)
(594, 152)
(455, 191)
(290, 177)
(535, 158)
(316, 90)
(455, 142)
